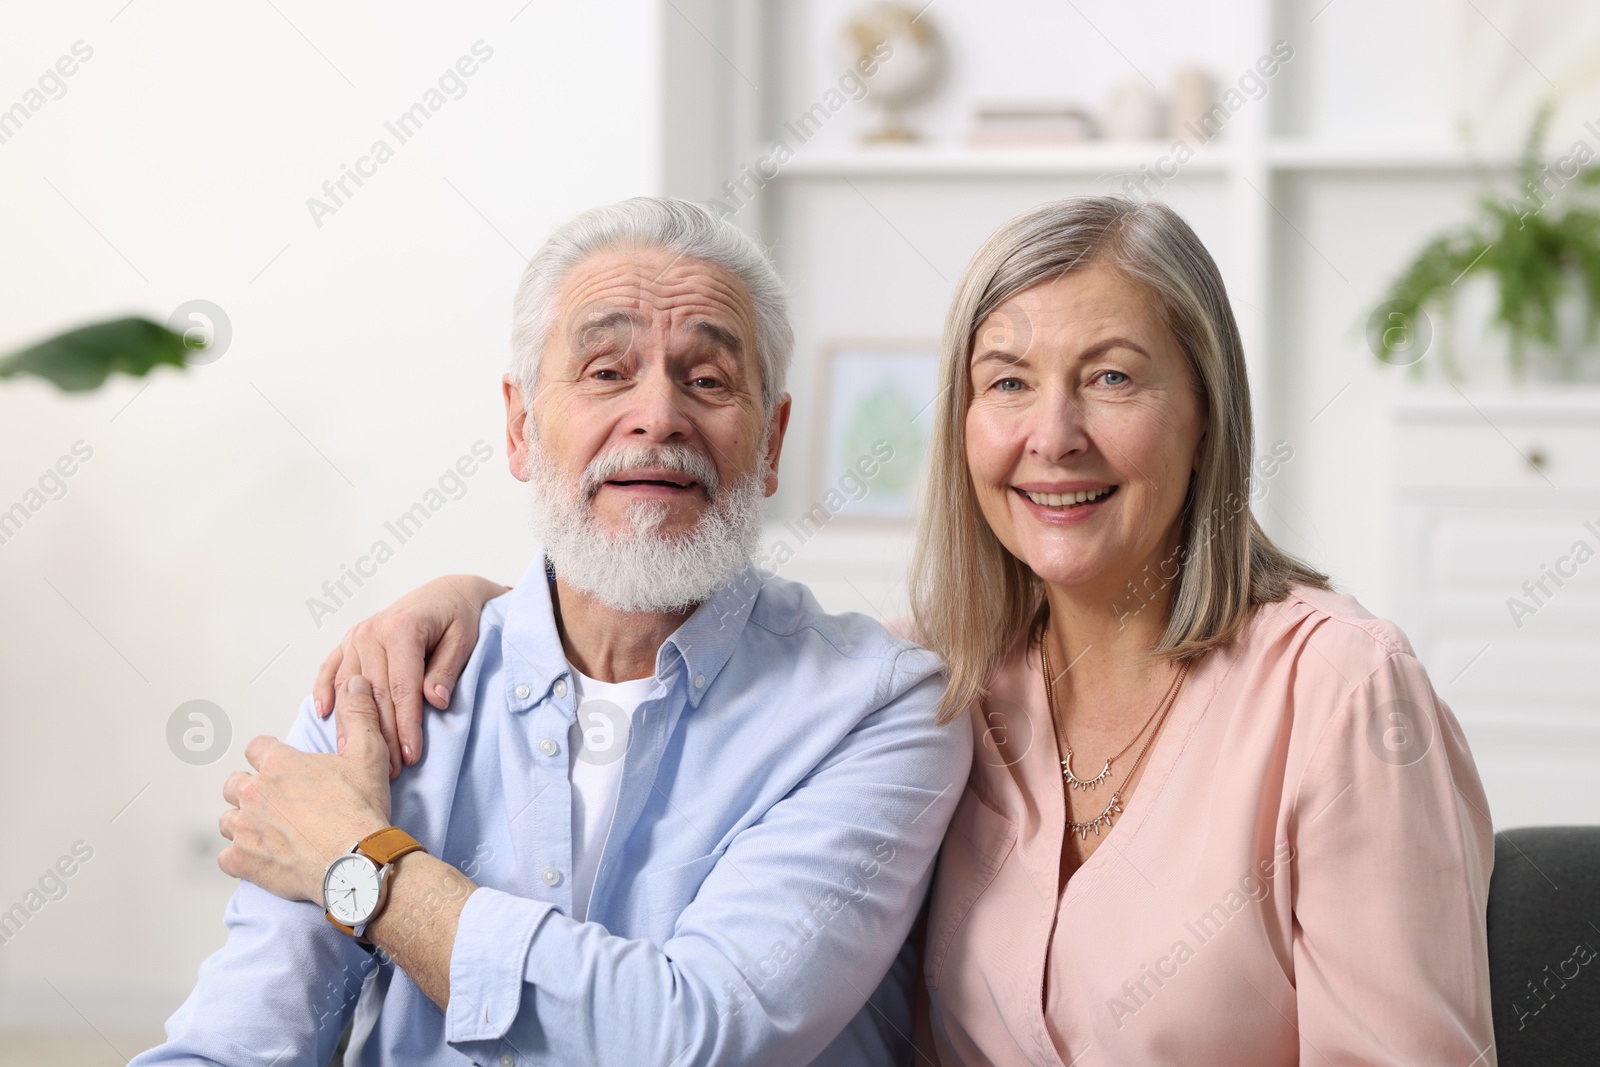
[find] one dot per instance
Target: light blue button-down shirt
(782, 801)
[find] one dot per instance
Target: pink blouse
(1300, 876)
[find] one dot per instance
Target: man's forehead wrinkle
(697, 319)
(688, 301)
(630, 283)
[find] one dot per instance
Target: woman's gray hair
(679, 227)
(975, 603)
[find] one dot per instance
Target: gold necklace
(1114, 808)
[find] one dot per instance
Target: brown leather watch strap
(383, 848)
(348, 931)
(388, 845)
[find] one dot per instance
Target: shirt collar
(530, 644)
(536, 665)
(706, 639)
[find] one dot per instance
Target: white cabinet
(1497, 582)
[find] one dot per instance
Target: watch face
(350, 889)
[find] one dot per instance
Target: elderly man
(674, 813)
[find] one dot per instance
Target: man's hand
(301, 810)
(437, 623)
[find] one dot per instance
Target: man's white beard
(642, 568)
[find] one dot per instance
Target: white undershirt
(598, 741)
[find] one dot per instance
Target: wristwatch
(356, 884)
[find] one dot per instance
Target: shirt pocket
(975, 847)
(671, 889)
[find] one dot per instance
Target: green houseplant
(81, 359)
(1539, 249)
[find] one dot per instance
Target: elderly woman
(1218, 814)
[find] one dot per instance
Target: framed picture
(874, 420)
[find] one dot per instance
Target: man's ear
(776, 427)
(517, 427)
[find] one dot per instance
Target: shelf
(1091, 159)
(1098, 158)
(1433, 404)
(1298, 155)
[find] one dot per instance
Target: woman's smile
(1063, 505)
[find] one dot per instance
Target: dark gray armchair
(1544, 946)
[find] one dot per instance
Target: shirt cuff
(487, 962)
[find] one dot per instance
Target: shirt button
(551, 876)
(522, 692)
(549, 747)
(507, 1060)
(561, 687)
(699, 681)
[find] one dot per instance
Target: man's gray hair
(679, 227)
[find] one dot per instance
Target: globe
(909, 70)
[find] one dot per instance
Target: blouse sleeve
(1393, 849)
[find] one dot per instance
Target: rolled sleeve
(298, 975)
(493, 938)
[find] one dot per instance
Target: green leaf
(1540, 244)
(81, 359)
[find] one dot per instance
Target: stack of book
(1030, 126)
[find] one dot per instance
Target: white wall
(365, 360)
